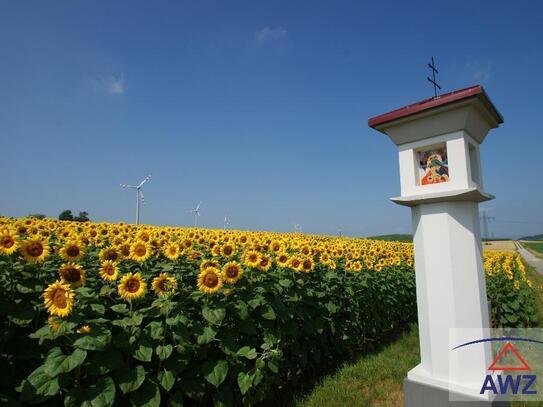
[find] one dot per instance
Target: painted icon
(435, 166)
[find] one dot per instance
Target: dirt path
(530, 258)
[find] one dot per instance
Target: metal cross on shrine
(433, 80)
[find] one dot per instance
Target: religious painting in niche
(434, 166)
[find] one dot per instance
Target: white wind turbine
(196, 212)
(297, 228)
(139, 196)
(226, 223)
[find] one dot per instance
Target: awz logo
(513, 377)
(509, 384)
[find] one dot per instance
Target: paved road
(530, 258)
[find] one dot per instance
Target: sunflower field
(102, 314)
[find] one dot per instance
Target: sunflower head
(215, 250)
(8, 241)
(132, 286)
(276, 246)
(124, 250)
(210, 280)
(307, 265)
(232, 272)
(228, 250)
(72, 250)
(72, 274)
(171, 251)
(54, 323)
(59, 299)
(264, 263)
(208, 263)
(140, 251)
(109, 253)
(295, 263)
(282, 259)
(251, 258)
(34, 250)
(109, 270)
(164, 285)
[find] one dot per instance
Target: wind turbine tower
(226, 223)
(196, 212)
(139, 195)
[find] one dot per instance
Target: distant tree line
(37, 215)
(68, 215)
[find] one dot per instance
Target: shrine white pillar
(441, 181)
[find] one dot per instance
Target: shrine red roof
(427, 104)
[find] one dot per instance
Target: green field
(535, 246)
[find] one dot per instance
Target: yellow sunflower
(132, 286)
(307, 265)
(232, 272)
(109, 253)
(53, 322)
(72, 250)
(282, 259)
(264, 263)
(72, 274)
(8, 241)
(208, 263)
(228, 250)
(276, 246)
(124, 249)
(58, 299)
(356, 266)
(171, 251)
(140, 251)
(164, 285)
(251, 258)
(34, 250)
(210, 280)
(109, 270)
(295, 263)
(216, 250)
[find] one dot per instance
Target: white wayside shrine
(440, 171)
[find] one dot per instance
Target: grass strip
(377, 379)
(374, 380)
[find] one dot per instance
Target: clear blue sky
(257, 109)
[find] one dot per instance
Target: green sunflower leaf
(39, 386)
(101, 394)
(166, 378)
(244, 382)
(214, 316)
(130, 380)
(218, 373)
(57, 363)
(246, 351)
(147, 395)
(164, 352)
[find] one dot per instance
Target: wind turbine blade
(140, 192)
(147, 178)
(128, 186)
(198, 206)
(198, 213)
